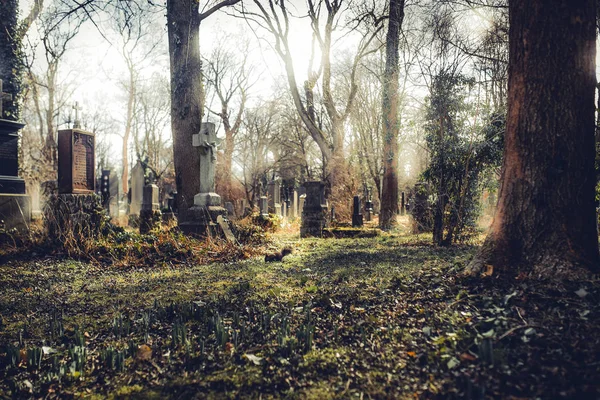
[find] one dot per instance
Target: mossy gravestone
(315, 210)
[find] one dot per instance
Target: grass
(382, 317)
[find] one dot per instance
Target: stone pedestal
(202, 221)
(263, 205)
(72, 216)
(15, 205)
(314, 213)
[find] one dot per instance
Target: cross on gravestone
(207, 141)
(4, 97)
(76, 123)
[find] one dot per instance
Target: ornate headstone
(206, 141)
(314, 212)
(357, 217)
(76, 162)
(15, 205)
(201, 218)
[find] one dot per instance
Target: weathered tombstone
(301, 201)
(295, 213)
(284, 210)
(115, 195)
(75, 208)
(369, 205)
(150, 216)
(230, 209)
(315, 210)
(76, 162)
(224, 224)
(274, 195)
(357, 217)
(15, 205)
(137, 188)
(201, 218)
(264, 207)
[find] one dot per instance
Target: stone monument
(314, 212)
(15, 205)
(264, 206)
(76, 208)
(357, 217)
(201, 218)
(274, 195)
(150, 215)
(369, 205)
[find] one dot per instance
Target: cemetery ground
(380, 317)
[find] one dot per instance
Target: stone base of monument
(314, 220)
(15, 211)
(202, 221)
(73, 216)
(149, 220)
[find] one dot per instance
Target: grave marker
(76, 162)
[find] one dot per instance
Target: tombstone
(226, 229)
(150, 215)
(369, 205)
(76, 162)
(15, 205)
(274, 196)
(75, 206)
(136, 186)
(295, 205)
(201, 218)
(357, 217)
(105, 188)
(284, 210)
(315, 210)
(301, 201)
(115, 195)
(264, 206)
(230, 209)
(402, 204)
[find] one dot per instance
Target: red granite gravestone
(76, 162)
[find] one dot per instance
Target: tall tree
(545, 223)
(391, 123)
(183, 29)
(11, 35)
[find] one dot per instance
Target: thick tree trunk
(391, 123)
(9, 64)
(545, 221)
(183, 22)
(128, 124)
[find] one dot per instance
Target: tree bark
(10, 67)
(545, 222)
(391, 123)
(183, 22)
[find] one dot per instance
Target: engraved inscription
(8, 149)
(83, 159)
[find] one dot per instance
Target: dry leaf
(144, 353)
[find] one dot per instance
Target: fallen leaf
(581, 292)
(489, 270)
(467, 357)
(144, 353)
(255, 359)
(411, 353)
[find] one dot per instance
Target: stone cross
(76, 123)
(206, 140)
(4, 97)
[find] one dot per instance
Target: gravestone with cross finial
(201, 218)
(15, 205)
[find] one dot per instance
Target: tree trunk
(9, 63)
(183, 22)
(128, 124)
(391, 123)
(545, 221)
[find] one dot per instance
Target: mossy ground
(382, 317)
